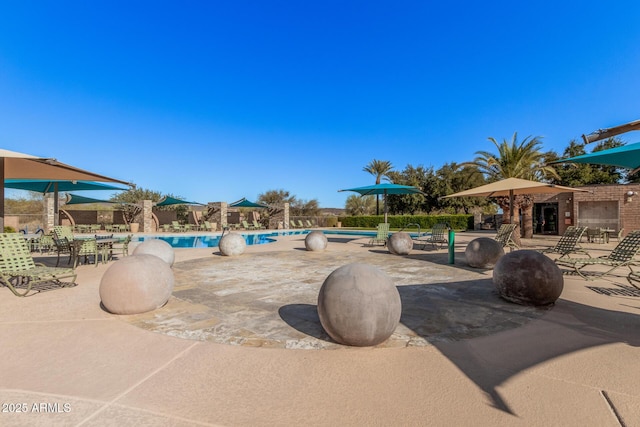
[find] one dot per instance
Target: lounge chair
(300, 224)
(568, 243)
(176, 226)
(257, 225)
(505, 236)
(247, 226)
(293, 224)
(206, 226)
(19, 272)
(309, 224)
(382, 235)
(623, 255)
(437, 238)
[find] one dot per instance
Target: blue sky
(215, 101)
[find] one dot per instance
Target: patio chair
(63, 231)
(257, 225)
(382, 235)
(85, 248)
(176, 226)
(623, 255)
(293, 224)
(505, 236)
(437, 238)
(595, 235)
(20, 273)
(300, 224)
(62, 247)
(121, 248)
(309, 224)
(568, 243)
(247, 226)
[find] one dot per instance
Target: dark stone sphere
(400, 243)
(528, 278)
(483, 252)
(136, 284)
(359, 305)
(315, 241)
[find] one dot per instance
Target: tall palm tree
(516, 160)
(381, 169)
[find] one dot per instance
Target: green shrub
(457, 222)
(332, 221)
(8, 229)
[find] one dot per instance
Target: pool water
(213, 241)
(192, 241)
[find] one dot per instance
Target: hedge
(457, 222)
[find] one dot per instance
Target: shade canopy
(384, 189)
(74, 199)
(511, 187)
(14, 165)
(169, 201)
(244, 203)
(49, 186)
(627, 156)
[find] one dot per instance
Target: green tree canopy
(380, 169)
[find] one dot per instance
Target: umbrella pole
(56, 214)
(2, 195)
(511, 206)
(385, 206)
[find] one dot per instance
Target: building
(613, 207)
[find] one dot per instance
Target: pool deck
(66, 361)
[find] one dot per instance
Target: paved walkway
(240, 344)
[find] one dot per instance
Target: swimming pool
(200, 241)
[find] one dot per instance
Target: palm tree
(381, 169)
(516, 160)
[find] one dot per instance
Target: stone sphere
(483, 252)
(528, 277)
(400, 243)
(136, 284)
(315, 241)
(232, 244)
(359, 305)
(157, 247)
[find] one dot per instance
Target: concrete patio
(239, 344)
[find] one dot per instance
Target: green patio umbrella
(627, 156)
(74, 199)
(51, 185)
(244, 203)
(168, 201)
(384, 189)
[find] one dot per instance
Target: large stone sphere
(528, 277)
(232, 244)
(156, 247)
(315, 241)
(483, 252)
(400, 243)
(359, 305)
(136, 284)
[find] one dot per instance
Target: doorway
(545, 218)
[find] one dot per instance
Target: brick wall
(628, 207)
